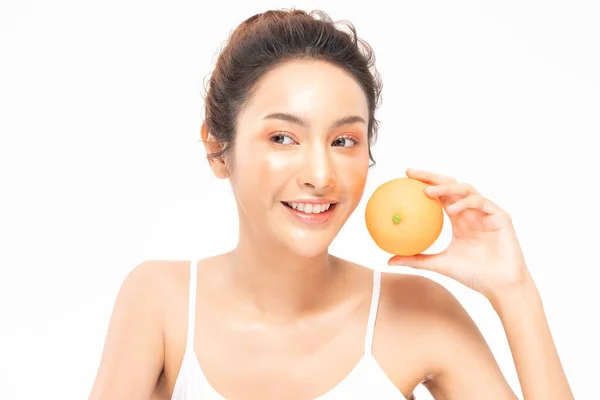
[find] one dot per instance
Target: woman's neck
(279, 284)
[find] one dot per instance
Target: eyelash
(355, 140)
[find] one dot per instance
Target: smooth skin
(278, 310)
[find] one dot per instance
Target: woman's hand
(484, 253)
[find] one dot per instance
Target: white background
(101, 168)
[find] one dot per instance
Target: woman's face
(301, 144)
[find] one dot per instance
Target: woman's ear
(217, 164)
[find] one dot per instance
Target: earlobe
(211, 145)
(219, 167)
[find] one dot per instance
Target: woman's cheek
(276, 163)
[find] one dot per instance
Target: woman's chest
(248, 362)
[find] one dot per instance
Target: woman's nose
(318, 172)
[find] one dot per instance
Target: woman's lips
(311, 218)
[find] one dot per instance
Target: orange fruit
(401, 219)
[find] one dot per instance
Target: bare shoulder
(425, 298)
(151, 275)
(413, 303)
(133, 354)
(150, 302)
(160, 278)
(446, 347)
(145, 288)
(162, 288)
(150, 282)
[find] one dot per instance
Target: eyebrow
(294, 119)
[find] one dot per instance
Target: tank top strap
(373, 311)
(192, 304)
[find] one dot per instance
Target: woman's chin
(306, 239)
(309, 248)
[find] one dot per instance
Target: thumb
(427, 262)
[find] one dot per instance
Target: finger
(429, 177)
(475, 202)
(426, 262)
(452, 189)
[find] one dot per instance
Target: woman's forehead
(309, 89)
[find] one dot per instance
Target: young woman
(289, 122)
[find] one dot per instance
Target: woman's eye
(281, 139)
(341, 141)
(344, 142)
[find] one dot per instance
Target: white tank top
(366, 380)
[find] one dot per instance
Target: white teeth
(310, 208)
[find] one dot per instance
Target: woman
(289, 122)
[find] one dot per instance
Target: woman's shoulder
(424, 304)
(405, 292)
(157, 276)
(159, 285)
(413, 299)
(167, 280)
(425, 324)
(135, 338)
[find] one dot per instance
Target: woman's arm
(133, 354)
(485, 255)
(538, 365)
(465, 365)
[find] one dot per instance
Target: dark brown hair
(263, 41)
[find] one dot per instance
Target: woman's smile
(311, 212)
